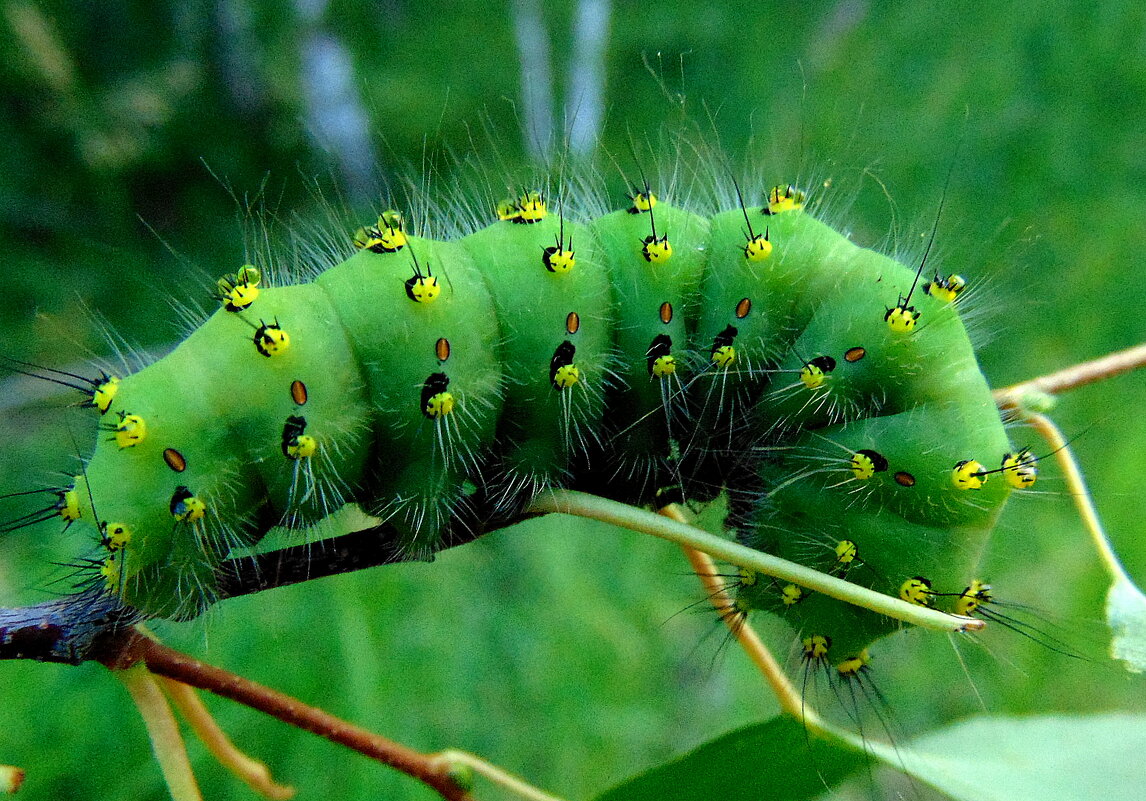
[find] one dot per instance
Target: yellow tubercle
(558, 260)
(130, 430)
(531, 208)
(642, 202)
(816, 647)
(391, 218)
(240, 297)
(271, 340)
(846, 552)
(866, 463)
(974, 596)
(115, 536)
(853, 665)
(109, 571)
(656, 250)
(186, 507)
(437, 401)
(724, 356)
(758, 248)
(391, 240)
(363, 238)
(946, 289)
(916, 591)
(1020, 470)
(791, 594)
(566, 376)
(239, 290)
(968, 475)
(664, 366)
(902, 318)
(784, 198)
(439, 405)
(507, 210)
(385, 237)
(303, 447)
(812, 376)
(423, 288)
(68, 504)
(104, 392)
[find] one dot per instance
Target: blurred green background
(556, 650)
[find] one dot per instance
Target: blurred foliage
(134, 133)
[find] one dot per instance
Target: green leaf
(1126, 615)
(1032, 759)
(776, 760)
(983, 759)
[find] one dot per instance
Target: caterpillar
(442, 383)
(1035, 154)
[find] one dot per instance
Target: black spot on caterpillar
(441, 384)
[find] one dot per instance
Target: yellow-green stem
(252, 772)
(454, 759)
(582, 504)
(163, 731)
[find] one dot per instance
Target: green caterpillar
(442, 384)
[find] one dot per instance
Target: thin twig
(1125, 602)
(591, 506)
(454, 758)
(164, 661)
(791, 701)
(786, 693)
(1079, 493)
(1077, 375)
(166, 741)
(252, 772)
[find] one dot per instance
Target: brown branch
(65, 630)
(69, 630)
(1075, 376)
(131, 647)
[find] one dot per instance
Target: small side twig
(135, 648)
(1075, 376)
(454, 759)
(166, 741)
(791, 701)
(253, 773)
(1079, 492)
(786, 693)
(1125, 602)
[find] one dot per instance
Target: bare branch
(1077, 375)
(134, 648)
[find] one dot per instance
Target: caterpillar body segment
(442, 384)
(839, 383)
(425, 454)
(654, 299)
(883, 483)
(542, 275)
(222, 407)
